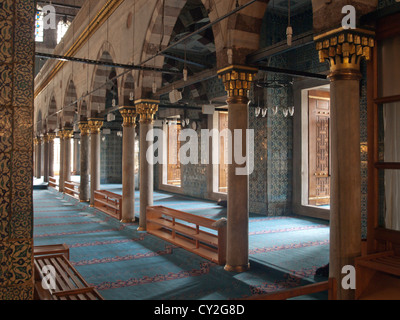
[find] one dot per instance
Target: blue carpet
(125, 264)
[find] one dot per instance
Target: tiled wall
(16, 148)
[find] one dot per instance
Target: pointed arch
(70, 105)
(101, 75)
(52, 115)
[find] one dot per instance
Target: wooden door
(319, 148)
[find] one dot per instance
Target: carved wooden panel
(223, 148)
(319, 148)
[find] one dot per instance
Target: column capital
(344, 50)
(129, 116)
(237, 81)
(95, 125)
(84, 128)
(51, 136)
(146, 109)
(68, 133)
(60, 134)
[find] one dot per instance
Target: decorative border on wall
(16, 148)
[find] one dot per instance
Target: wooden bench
(53, 182)
(108, 202)
(163, 223)
(378, 276)
(51, 249)
(72, 189)
(69, 284)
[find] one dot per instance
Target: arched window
(39, 25)
(62, 28)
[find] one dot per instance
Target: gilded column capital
(51, 136)
(46, 138)
(60, 134)
(237, 81)
(68, 133)
(344, 50)
(95, 126)
(146, 109)
(129, 116)
(84, 128)
(35, 141)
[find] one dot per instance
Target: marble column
(84, 187)
(344, 52)
(128, 164)
(61, 170)
(95, 126)
(146, 109)
(237, 81)
(51, 137)
(39, 158)
(34, 156)
(46, 158)
(68, 134)
(76, 165)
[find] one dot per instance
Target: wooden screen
(223, 146)
(383, 94)
(319, 147)
(174, 165)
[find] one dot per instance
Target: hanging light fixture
(289, 29)
(185, 70)
(291, 111)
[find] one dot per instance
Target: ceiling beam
(103, 63)
(280, 47)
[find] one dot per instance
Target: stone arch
(70, 104)
(40, 127)
(52, 115)
(328, 15)
(155, 32)
(128, 90)
(101, 75)
(83, 111)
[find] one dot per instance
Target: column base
(238, 269)
(141, 229)
(84, 200)
(127, 221)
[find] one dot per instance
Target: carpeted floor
(125, 264)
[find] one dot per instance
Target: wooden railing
(108, 202)
(330, 286)
(72, 189)
(53, 182)
(187, 231)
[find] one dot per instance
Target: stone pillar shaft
(344, 52)
(128, 165)
(68, 133)
(46, 158)
(146, 109)
(84, 187)
(61, 170)
(39, 158)
(237, 81)
(95, 126)
(51, 153)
